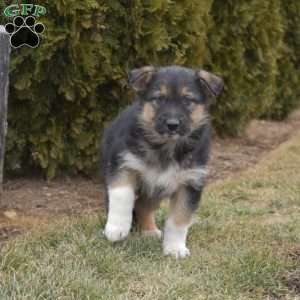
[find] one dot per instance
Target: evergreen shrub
(63, 92)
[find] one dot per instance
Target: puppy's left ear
(140, 78)
(213, 83)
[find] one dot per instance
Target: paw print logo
(24, 32)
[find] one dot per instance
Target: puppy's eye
(190, 98)
(154, 102)
(156, 99)
(189, 101)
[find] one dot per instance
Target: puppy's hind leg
(121, 197)
(145, 217)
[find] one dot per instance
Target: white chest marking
(169, 179)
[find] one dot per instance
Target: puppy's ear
(140, 78)
(213, 83)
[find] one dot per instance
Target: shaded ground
(27, 203)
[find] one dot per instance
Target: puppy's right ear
(140, 78)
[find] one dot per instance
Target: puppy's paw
(116, 233)
(156, 233)
(177, 251)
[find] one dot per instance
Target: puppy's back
(115, 136)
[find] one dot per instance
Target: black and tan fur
(160, 145)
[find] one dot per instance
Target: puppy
(158, 149)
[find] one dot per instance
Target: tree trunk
(4, 70)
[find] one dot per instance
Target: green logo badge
(24, 10)
(24, 29)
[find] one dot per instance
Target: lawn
(245, 244)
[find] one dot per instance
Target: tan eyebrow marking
(185, 92)
(148, 113)
(164, 91)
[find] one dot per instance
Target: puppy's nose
(172, 124)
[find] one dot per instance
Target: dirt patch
(231, 155)
(25, 203)
(292, 281)
(294, 255)
(60, 197)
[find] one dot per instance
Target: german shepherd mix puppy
(158, 148)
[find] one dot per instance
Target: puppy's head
(174, 99)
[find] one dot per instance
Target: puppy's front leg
(182, 206)
(121, 197)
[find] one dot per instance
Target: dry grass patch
(238, 250)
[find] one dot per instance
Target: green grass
(244, 245)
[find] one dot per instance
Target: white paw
(116, 233)
(177, 251)
(156, 233)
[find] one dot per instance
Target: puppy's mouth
(172, 136)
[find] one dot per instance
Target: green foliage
(288, 84)
(244, 47)
(169, 32)
(62, 92)
(66, 90)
